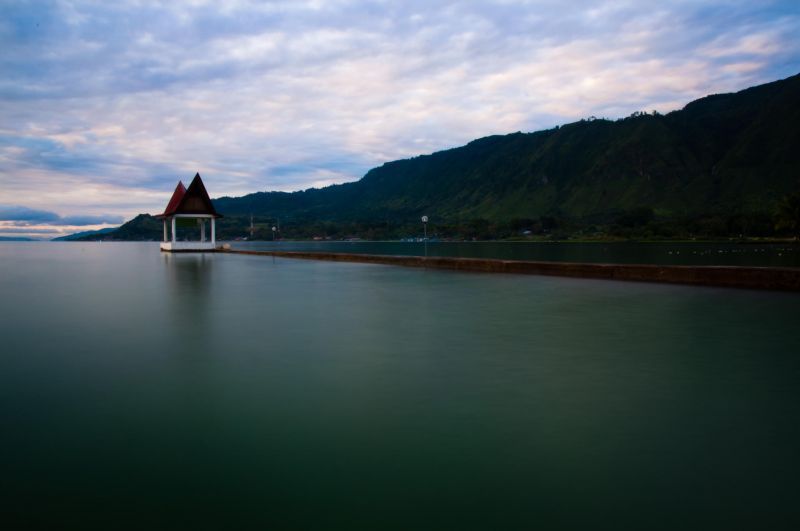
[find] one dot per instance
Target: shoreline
(762, 278)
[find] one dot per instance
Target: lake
(145, 390)
(661, 253)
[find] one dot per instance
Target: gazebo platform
(193, 208)
(188, 247)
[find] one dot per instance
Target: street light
(425, 229)
(274, 228)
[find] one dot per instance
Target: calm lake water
(701, 253)
(150, 391)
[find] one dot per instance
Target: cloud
(104, 106)
(108, 219)
(23, 216)
(29, 231)
(18, 220)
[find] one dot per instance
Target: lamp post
(274, 228)
(425, 232)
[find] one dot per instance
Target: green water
(150, 391)
(662, 253)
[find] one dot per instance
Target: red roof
(177, 195)
(192, 200)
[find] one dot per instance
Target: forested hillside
(718, 166)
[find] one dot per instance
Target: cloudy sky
(105, 105)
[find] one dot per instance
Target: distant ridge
(85, 234)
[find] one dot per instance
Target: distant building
(187, 205)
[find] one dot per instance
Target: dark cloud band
(23, 216)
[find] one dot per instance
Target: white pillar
(202, 230)
(213, 232)
(173, 229)
(165, 229)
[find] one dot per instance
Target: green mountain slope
(731, 151)
(717, 167)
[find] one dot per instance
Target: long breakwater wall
(772, 278)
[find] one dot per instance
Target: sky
(104, 106)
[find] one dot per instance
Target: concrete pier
(769, 278)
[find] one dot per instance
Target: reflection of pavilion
(189, 207)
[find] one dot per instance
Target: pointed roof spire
(192, 200)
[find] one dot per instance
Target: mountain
(87, 234)
(16, 239)
(718, 166)
(717, 153)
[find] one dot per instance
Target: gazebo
(189, 204)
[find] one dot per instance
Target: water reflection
(189, 279)
(249, 388)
